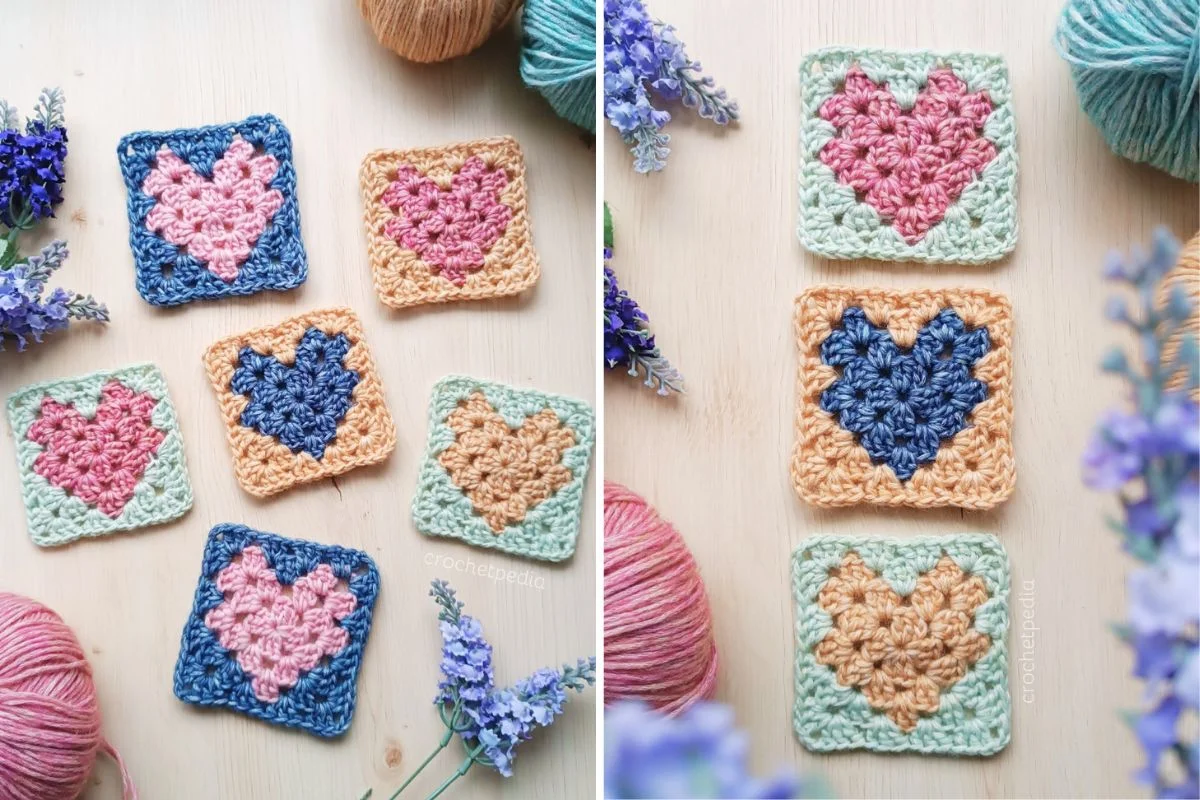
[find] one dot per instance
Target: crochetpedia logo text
(1029, 630)
(524, 577)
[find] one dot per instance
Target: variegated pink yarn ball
(658, 637)
(49, 720)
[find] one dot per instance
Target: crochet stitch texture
(505, 468)
(901, 645)
(301, 400)
(98, 454)
(448, 223)
(213, 211)
(907, 156)
(903, 398)
(277, 629)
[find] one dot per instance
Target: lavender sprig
(641, 57)
(489, 722)
(1151, 457)
(31, 179)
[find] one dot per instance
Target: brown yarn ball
(435, 30)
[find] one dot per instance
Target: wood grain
(136, 65)
(709, 249)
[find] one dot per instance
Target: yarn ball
(1136, 65)
(558, 56)
(49, 718)
(658, 636)
(435, 30)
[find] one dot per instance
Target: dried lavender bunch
(31, 179)
(1150, 456)
(628, 342)
(644, 57)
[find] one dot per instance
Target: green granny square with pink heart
(907, 156)
(213, 211)
(99, 454)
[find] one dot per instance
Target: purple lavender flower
(31, 162)
(641, 55)
(1114, 456)
(698, 754)
(25, 315)
(1152, 456)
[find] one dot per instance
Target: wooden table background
(709, 249)
(138, 65)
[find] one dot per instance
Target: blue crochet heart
(302, 403)
(902, 404)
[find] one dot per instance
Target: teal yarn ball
(558, 56)
(1136, 65)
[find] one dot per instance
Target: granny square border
(54, 517)
(401, 278)
(976, 470)
(208, 675)
(828, 716)
(365, 435)
(550, 529)
(277, 262)
(979, 227)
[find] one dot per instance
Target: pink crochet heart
(451, 230)
(215, 220)
(910, 166)
(278, 632)
(102, 459)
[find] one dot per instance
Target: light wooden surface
(709, 249)
(140, 65)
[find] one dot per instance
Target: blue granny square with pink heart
(277, 629)
(213, 211)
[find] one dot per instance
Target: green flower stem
(441, 746)
(467, 763)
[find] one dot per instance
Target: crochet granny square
(301, 400)
(99, 454)
(277, 629)
(213, 211)
(902, 644)
(448, 223)
(907, 156)
(904, 398)
(505, 468)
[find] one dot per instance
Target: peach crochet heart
(278, 632)
(216, 220)
(910, 166)
(504, 472)
(99, 460)
(901, 652)
(452, 229)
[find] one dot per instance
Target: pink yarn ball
(658, 636)
(49, 719)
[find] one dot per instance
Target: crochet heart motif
(215, 220)
(99, 460)
(910, 166)
(505, 472)
(452, 229)
(300, 404)
(901, 652)
(902, 404)
(278, 632)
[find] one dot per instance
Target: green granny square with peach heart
(505, 468)
(99, 454)
(901, 644)
(907, 156)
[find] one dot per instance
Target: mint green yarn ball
(1136, 65)
(558, 56)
